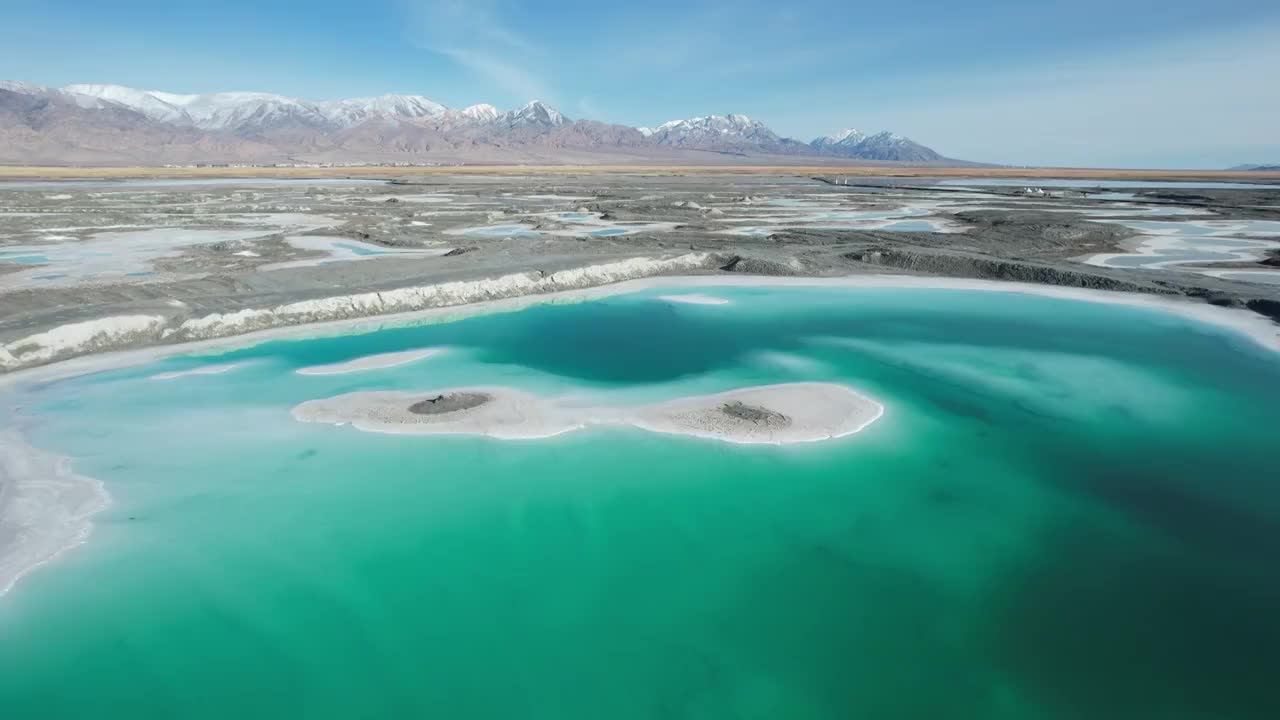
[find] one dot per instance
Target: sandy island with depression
(770, 414)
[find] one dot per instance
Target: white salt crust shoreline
(1257, 328)
(202, 370)
(371, 362)
(813, 412)
(44, 507)
(694, 299)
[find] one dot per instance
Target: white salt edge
(44, 507)
(203, 370)
(371, 362)
(694, 299)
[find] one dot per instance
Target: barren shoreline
(578, 231)
(657, 168)
(112, 334)
(1257, 328)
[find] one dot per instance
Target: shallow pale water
(22, 259)
(507, 230)
(1068, 511)
(1180, 243)
(1268, 277)
(114, 254)
(129, 185)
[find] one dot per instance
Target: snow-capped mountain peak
(730, 124)
(146, 102)
(536, 113)
(883, 145)
(33, 90)
(480, 113)
(253, 111)
(231, 110)
(724, 133)
(353, 111)
(848, 138)
(849, 135)
(210, 111)
(242, 125)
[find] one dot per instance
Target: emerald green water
(1068, 511)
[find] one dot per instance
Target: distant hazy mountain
(1258, 168)
(842, 140)
(881, 146)
(88, 123)
(535, 114)
(357, 110)
(44, 125)
(737, 134)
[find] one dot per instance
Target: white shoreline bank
(787, 413)
(44, 507)
(1248, 324)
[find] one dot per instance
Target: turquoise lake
(1069, 510)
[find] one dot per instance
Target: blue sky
(1178, 83)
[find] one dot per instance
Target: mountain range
(113, 124)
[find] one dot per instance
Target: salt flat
(197, 254)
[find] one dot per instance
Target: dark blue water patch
(139, 274)
(52, 276)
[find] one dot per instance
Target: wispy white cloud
(1193, 96)
(747, 42)
(511, 77)
(1192, 101)
(472, 34)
